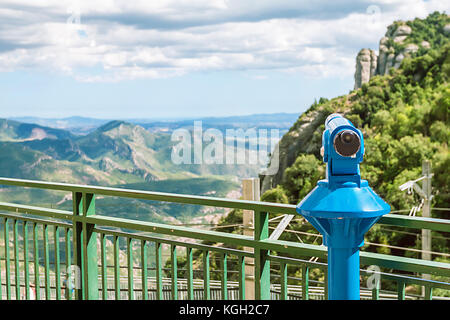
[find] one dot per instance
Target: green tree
(302, 176)
(276, 195)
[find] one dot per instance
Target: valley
(125, 155)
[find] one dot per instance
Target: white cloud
(150, 39)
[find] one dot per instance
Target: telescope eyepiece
(347, 143)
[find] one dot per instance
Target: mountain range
(115, 152)
(83, 125)
(118, 153)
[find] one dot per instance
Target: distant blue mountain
(83, 125)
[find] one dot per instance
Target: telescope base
(343, 274)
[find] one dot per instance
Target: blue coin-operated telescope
(342, 207)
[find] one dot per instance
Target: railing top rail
(391, 219)
(155, 196)
(416, 222)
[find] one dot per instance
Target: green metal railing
(85, 241)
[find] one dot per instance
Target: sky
(123, 59)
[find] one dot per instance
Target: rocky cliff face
(400, 41)
(304, 137)
(393, 48)
(366, 66)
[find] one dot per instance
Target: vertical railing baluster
(158, 260)
(7, 259)
(241, 280)
(325, 284)
(46, 262)
(1, 286)
(174, 271)
(401, 290)
(130, 269)
(190, 273)
(26, 260)
(116, 267)
(16, 258)
(206, 282)
(104, 267)
(37, 283)
(428, 292)
(144, 263)
(57, 266)
(68, 291)
(262, 263)
(305, 282)
(224, 280)
(376, 291)
(283, 281)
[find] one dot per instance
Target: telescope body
(342, 207)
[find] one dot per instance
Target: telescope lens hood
(347, 143)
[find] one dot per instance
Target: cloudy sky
(185, 58)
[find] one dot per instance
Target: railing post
(262, 263)
(250, 191)
(85, 246)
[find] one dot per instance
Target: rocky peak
(401, 33)
(389, 57)
(393, 48)
(366, 66)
